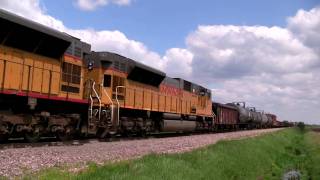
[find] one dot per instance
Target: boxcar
(273, 119)
(227, 117)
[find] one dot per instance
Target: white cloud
(116, 41)
(274, 68)
(31, 9)
(306, 25)
(90, 5)
(178, 62)
(236, 51)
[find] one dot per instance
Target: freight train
(52, 84)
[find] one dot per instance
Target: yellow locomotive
(53, 84)
(128, 95)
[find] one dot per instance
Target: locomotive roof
(194, 86)
(78, 48)
(21, 33)
(100, 57)
(136, 71)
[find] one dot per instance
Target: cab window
(107, 80)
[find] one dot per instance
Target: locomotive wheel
(110, 137)
(66, 135)
(3, 138)
(62, 136)
(32, 137)
(142, 133)
(127, 134)
(101, 133)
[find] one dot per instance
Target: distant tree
(286, 123)
(301, 125)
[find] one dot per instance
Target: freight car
(273, 120)
(227, 117)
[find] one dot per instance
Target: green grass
(312, 143)
(265, 157)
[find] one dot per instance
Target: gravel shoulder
(16, 161)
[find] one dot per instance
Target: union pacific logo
(169, 90)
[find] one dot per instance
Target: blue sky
(165, 23)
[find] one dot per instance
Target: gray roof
(136, 71)
(26, 35)
(151, 69)
(111, 57)
(34, 25)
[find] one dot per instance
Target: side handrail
(98, 97)
(118, 122)
(91, 106)
(89, 81)
(112, 106)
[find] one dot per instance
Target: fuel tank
(172, 125)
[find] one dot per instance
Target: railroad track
(52, 141)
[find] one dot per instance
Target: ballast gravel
(31, 158)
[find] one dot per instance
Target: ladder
(94, 95)
(110, 100)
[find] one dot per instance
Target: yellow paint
(144, 97)
(27, 72)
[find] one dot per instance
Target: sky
(165, 24)
(266, 53)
